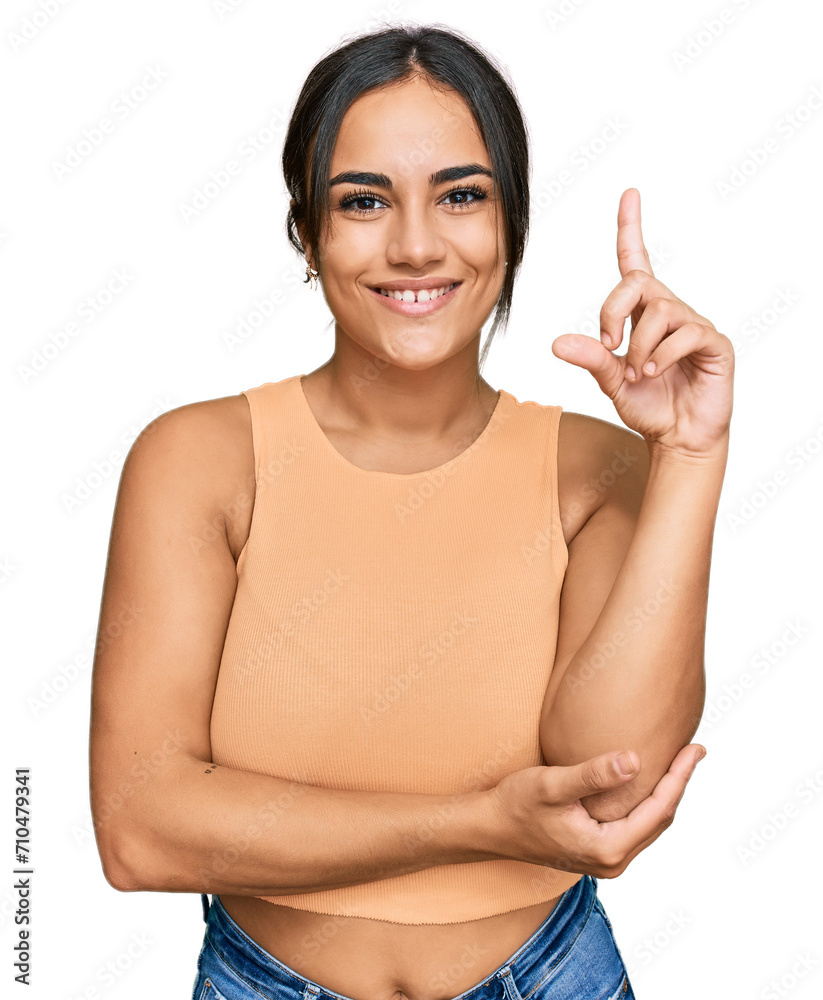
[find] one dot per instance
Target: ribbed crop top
(396, 632)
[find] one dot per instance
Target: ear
(301, 232)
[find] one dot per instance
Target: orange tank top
(396, 633)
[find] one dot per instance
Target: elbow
(128, 866)
(616, 803)
(119, 877)
(655, 759)
(611, 803)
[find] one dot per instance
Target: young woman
(390, 628)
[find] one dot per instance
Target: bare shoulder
(207, 446)
(597, 461)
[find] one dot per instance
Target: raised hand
(674, 383)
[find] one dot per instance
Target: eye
(350, 200)
(477, 194)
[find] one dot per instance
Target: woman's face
(399, 227)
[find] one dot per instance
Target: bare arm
(200, 827)
(629, 668)
(165, 817)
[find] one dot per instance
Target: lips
(430, 281)
(417, 308)
(416, 295)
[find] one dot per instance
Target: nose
(414, 237)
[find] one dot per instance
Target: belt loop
(509, 985)
(311, 992)
(204, 899)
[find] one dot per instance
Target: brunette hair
(386, 56)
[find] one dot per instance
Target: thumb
(607, 770)
(588, 353)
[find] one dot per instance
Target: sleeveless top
(395, 633)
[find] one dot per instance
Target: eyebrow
(384, 181)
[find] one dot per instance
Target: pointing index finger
(631, 251)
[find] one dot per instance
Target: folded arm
(628, 672)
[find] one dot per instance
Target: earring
(312, 275)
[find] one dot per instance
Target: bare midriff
(380, 960)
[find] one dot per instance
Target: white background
(694, 915)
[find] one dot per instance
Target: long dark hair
(386, 56)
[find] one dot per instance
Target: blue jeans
(571, 956)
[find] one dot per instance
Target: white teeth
(424, 295)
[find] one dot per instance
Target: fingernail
(624, 763)
(607, 340)
(629, 371)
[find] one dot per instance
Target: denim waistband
(521, 974)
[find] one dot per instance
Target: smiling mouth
(421, 295)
